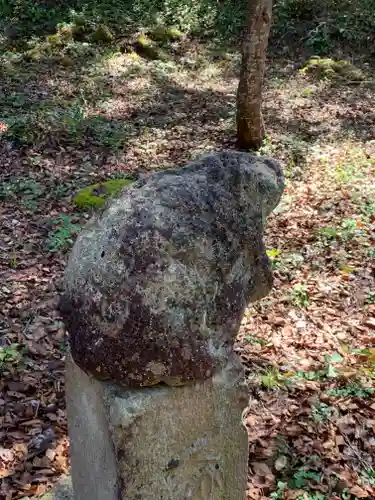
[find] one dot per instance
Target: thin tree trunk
(250, 125)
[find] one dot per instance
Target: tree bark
(250, 125)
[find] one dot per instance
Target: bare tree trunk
(250, 126)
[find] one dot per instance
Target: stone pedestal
(161, 443)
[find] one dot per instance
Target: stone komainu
(157, 283)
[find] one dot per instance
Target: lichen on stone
(94, 196)
(158, 282)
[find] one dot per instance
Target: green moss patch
(94, 196)
(165, 34)
(332, 69)
(102, 35)
(145, 47)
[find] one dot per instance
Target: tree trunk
(250, 125)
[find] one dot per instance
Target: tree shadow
(316, 109)
(139, 115)
(118, 110)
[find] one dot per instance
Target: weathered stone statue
(154, 293)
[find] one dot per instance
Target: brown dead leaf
(6, 455)
(358, 492)
(50, 454)
(261, 468)
(340, 441)
(293, 494)
(370, 322)
(281, 462)
(254, 493)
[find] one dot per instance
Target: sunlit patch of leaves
(353, 166)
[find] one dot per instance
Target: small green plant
(62, 236)
(293, 260)
(311, 375)
(72, 119)
(345, 173)
(25, 188)
(323, 412)
(299, 295)
(279, 493)
(61, 191)
(351, 390)
(328, 233)
(348, 229)
(368, 209)
(249, 339)
(368, 476)
(306, 92)
(274, 256)
(273, 379)
(10, 355)
(165, 34)
(13, 260)
(370, 297)
(266, 147)
(301, 478)
(331, 369)
(311, 495)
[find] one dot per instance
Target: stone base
(161, 443)
(61, 491)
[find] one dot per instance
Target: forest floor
(308, 347)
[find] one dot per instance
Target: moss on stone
(145, 47)
(325, 68)
(102, 34)
(55, 40)
(94, 196)
(33, 55)
(165, 34)
(79, 33)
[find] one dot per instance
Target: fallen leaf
(281, 462)
(261, 468)
(358, 492)
(6, 455)
(370, 322)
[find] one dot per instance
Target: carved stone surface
(157, 283)
(160, 443)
